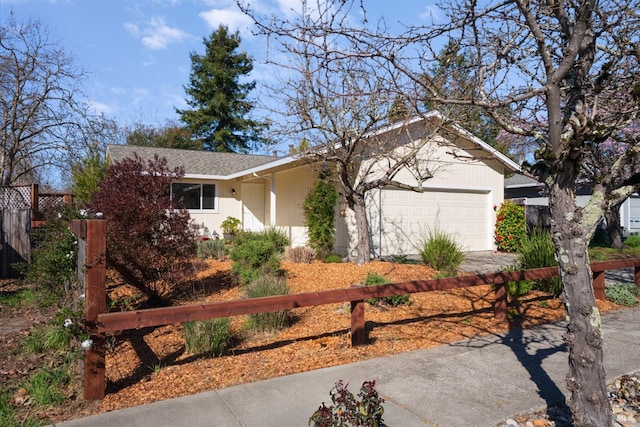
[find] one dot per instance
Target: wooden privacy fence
(99, 322)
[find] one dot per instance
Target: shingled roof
(194, 162)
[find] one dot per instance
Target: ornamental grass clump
(511, 227)
(266, 286)
(211, 336)
(441, 252)
(537, 251)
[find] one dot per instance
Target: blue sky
(136, 52)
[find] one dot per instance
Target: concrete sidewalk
(477, 382)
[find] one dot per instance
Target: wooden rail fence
(100, 322)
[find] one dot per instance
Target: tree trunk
(362, 229)
(586, 379)
(612, 217)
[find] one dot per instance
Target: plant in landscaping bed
(441, 252)
(511, 227)
(266, 286)
(213, 248)
(622, 294)
(230, 226)
(633, 241)
(319, 211)
(347, 411)
(332, 259)
(255, 254)
(536, 251)
(151, 241)
(374, 279)
(211, 336)
(300, 254)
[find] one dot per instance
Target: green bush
(52, 270)
(519, 289)
(213, 248)
(319, 211)
(255, 254)
(441, 252)
(266, 286)
(374, 279)
(537, 251)
(511, 227)
(332, 259)
(347, 411)
(633, 241)
(623, 294)
(211, 336)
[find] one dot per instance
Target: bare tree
(568, 73)
(41, 107)
(348, 113)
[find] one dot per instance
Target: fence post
(95, 303)
(598, 285)
(637, 276)
(357, 322)
(500, 305)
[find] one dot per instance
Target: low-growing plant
(374, 279)
(332, 259)
(46, 387)
(622, 294)
(213, 248)
(266, 286)
(537, 251)
(300, 254)
(519, 289)
(366, 410)
(633, 241)
(440, 251)
(211, 336)
(231, 225)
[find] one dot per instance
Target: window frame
(201, 186)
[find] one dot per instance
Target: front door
(252, 207)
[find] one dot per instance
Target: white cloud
(156, 34)
(99, 107)
(232, 17)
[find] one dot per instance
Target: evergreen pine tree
(218, 100)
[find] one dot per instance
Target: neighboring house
(531, 192)
(269, 191)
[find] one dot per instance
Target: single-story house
(530, 192)
(269, 191)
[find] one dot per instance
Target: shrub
(266, 286)
(519, 289)
(538, 251)
(213, 248)
(332, 259)
(211, 336)
(347, 411)
(319, 211)
(374, 279)
(231, 226)
(149, 239)
(623, 294)
(300, 254)
(633, 241)
(441, 252)
(511, 227)
(52, 270)
(255, 254)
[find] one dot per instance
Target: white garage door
(634, 214)
(400, 219)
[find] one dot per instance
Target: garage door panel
(407, 216)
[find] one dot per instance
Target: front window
(194, 196)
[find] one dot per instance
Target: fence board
(15, 242)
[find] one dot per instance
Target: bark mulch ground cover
(148, 365)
